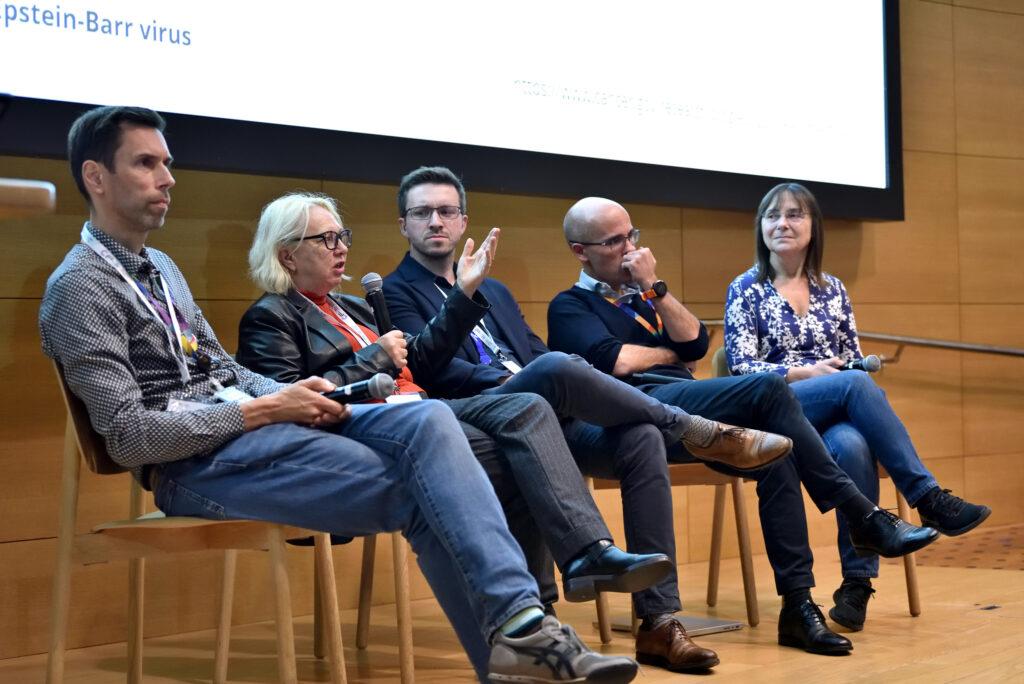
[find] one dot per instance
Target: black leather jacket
(287, 338)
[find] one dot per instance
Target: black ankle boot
(851, 599)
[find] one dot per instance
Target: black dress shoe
(884, 534)
(801, 625)
(949, 514)
(605, 567)
(851, 599)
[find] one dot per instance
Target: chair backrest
(90, 443)
(719, 365)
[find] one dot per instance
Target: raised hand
(474, 267)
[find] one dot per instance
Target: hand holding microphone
(869, 364)
(372, 283)
(380, 386)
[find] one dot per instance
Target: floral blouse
(763, 333)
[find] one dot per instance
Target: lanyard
(90, 240)
(346, 321)
(640, 319)
(480, 333)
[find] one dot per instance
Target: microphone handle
(380, 311)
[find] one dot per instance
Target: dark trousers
(764, 401)
(616, 432)
(518, 441)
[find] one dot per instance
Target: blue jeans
(615, 431)
(861, 430)
(404, 467)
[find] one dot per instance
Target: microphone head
(872, 363)
(371, 281)
(381, 385)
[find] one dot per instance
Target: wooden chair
(142, 536)
(688, 474)
(720, 369)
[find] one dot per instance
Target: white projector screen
(791, 89)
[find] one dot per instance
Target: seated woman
(786, 316)
(301, 327)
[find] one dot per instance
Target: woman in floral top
(786, 316)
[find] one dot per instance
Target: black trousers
(764, 401)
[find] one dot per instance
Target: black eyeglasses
(331, 238)
(447, 212)
(792, 215)
(617, 241)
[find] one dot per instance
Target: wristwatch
(658, 290)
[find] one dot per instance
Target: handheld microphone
(869, 364)
(379, 386)
(372, 283)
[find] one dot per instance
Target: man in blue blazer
(614, 430)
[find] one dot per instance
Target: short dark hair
(429, 174)
(816, 247)
(96, 135)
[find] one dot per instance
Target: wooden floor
(971, 630)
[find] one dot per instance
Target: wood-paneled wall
(951, 270)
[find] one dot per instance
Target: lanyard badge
(655, 332)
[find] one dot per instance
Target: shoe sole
(639, 576)
(786, 640)
(864, 552)
(612, 674)
(666, 664)
(848, 624)
(986, 511)
(747, 469)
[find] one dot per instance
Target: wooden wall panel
(926, 51)
(991, 212)
(989, 82)
(1004, 6)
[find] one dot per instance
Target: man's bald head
(585, 220)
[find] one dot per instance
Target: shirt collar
(588, 282)
(137, 265)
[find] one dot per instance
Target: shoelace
(890, 518)
(945, 502)
(856, 595)
(815, 611)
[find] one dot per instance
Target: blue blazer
(413, 299)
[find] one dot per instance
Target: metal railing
(901, 341)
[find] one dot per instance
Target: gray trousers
(519, 442)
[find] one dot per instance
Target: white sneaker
(555, 654)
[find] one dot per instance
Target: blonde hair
(284, 220)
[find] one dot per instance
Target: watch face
(660, 288)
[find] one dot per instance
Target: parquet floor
(971, 630)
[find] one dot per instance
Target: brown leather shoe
(736, 447)
(669, 646)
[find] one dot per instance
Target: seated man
(302, 327)
(621, 318)
(613, 430)
(121, 322)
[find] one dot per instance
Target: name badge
(184, 406)
(511, 366)
(232, 393)
(403, 398)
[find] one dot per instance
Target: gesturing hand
(394, 344)
(474, 267)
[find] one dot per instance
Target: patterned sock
(655, 620)
(522, 623)
(701, 431)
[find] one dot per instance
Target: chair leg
(604, 622)
(715, 557)
(365, 591)
(403, 608)
(136, 590)
(746, 562)
(227, 600)
(328, 606)
(909, 562)
(283, 607)
(319, 650)
(60, 600)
